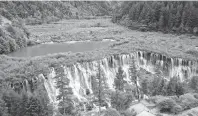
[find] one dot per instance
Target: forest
(165, 16)
(14, 35)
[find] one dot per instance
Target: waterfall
(80, 74)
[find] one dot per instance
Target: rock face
(81, 74)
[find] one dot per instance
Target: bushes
(13, 45)
(11, 30)
(194, 80)
(31, 43)
(12, 38)
(176, 105)
(166, 105)
(129, 113)
(2, 33)
(24, 104)
(3, 109)
(196, 96)
(121, 100)
(111, 112)
(5, 46)
(188, 101)
(176, 109)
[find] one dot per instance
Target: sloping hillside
(14, 15)
(172, 16)
(41, 12)
(13, 35)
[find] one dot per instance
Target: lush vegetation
(14, 15)
(166, 16)
(37, 12)
(18, 102)
(13, 36)
(15, 71)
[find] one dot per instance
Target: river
(50, 48)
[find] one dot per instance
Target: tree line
(166, 16)
(37, 12)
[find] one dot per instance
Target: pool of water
(50, 48)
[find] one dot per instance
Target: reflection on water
(44, 49)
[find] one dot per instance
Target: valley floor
(184, 46)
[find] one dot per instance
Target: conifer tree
(65, 93)
(33, 107)
(145, 86)
(161, 22)
(133, 76)
(194, 83)
(178, 19)
(175, 87)
(164, 16)
(100, 88)
(179, 89)
(1, 21)
(119, 87)
(119, 80)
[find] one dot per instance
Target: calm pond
(44, 49)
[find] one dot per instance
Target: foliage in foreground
(24, 104)
(175, 105)
(111, 112)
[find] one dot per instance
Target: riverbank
(128, 41)
(73, 30)
(183, 46)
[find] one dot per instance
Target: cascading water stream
(80, 74)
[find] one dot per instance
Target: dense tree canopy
(166, 16)
(39, 12)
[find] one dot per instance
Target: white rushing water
(80, 74)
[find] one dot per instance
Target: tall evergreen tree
(178, 19)
(100, 88)
(65, 93)
(194, 83)
(119, 86)
(119, 80)
(179, 89)
(133, 76)
(175, 87)
(161, 22)
(145, 86)
(33, 107)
